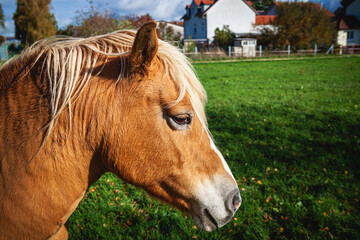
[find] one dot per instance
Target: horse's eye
(182, 119)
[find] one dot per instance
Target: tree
(2, 18)
(300, 25)
(94, 21)
(224, 37)
(138, 21)
(2, 39)
(261, 4)
(33, 21)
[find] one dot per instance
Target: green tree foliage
(224, 37)
(2, 18)
(301, 25)
(261, 4)
(33, 21)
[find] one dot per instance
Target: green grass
(290, 131)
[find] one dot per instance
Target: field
(290, 131)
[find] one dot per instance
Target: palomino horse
(125, 102)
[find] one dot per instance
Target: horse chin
(204, 220)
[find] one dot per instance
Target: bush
(224, 37)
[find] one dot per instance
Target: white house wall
(234, 13)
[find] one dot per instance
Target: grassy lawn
(290, 131)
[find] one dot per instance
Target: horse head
(160, 141)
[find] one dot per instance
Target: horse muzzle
(216, 208)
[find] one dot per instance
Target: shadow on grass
(259, 135)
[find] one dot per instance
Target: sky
(168, 10)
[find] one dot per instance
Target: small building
(245, 47)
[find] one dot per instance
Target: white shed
(245, 47)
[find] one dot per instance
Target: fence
(261, 52)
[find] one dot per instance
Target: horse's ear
(144, 48)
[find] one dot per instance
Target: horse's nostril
(236, 201)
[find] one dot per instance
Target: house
(204, 16)
(349, 26)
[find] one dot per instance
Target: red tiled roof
(180, 23)
(206, 2)
(250, 3)
(188, 6)
(349, 22)
(264, 19)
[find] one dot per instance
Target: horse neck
(14, 71)
(70, 159)
(47, 182)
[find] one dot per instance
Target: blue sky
(65, 10)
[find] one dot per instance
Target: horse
(72, 109)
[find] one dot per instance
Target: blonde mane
(65, 60)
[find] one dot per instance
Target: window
(350, 35)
